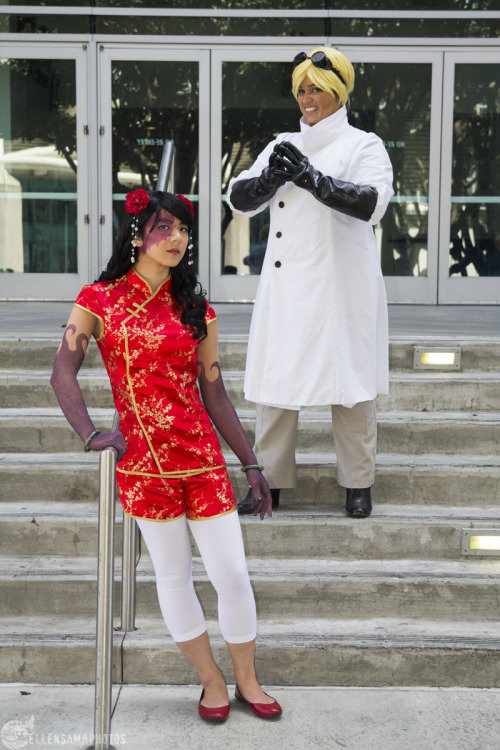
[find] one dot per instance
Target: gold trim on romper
(100, 338)
(173, 474)
(140, 308)
(165, 520)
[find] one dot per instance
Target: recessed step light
(436, 358)
(481, 542)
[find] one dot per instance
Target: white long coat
(319, 333)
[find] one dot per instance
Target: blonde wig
(326, 80)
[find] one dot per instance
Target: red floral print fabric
(150, 357)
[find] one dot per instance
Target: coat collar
(325, 131)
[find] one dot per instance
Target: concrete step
(468, 433)
(413, 432)
(393, 532)
(309, 651)
(295, 587)
(429, 392)
(39, 352)
(66, 529)
(424, 479)
(408, 391)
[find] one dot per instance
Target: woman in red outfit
(158, 339)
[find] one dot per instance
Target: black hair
(186, 288)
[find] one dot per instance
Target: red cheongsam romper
(173, 464)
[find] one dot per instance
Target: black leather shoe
(245, 505)
(358, 502)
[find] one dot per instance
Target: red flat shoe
(219, 713)
(262, 710)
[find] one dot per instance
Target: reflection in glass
(219, 4)
(55, 23)
(394, 101)
(205, 26)
(257, 104)
(475, 202)
(418, 28)
(38, 166)
(153, 102)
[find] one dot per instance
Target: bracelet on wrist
(86, 445)
(252, 466)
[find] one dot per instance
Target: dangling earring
(190, 253)
(134, 227)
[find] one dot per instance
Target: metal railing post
(105, 584)
(128, 563)
(166, 175)
(129, 537)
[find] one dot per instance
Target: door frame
(453, 290)
(59, 286)
(107, 53)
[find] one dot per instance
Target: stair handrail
(106, 551)
(105, 585)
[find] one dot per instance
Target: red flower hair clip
(187, 202)
(137, 201)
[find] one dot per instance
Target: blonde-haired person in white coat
(319, 334)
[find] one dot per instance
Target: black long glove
(358, 201)
(247, 195)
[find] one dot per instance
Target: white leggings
(220, 544)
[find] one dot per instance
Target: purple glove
(69, 395)
(223, 415)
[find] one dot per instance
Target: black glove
(246, 195)
(358, 201)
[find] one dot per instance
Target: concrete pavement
(44, 318)
(166, 718)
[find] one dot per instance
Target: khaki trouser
(354, 434)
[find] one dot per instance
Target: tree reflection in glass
(475, 202)
(257, 104)
(154, 101)
(38, 166)
(394, 101)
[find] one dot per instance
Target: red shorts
(157, 498)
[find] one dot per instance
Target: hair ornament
(134, 204)
(137, 201)
(187, 202)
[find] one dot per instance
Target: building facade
(91, 91)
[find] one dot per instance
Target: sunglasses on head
(319, 60)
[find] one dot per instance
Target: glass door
(470, 195)
(149, 95)
(397, 95)
(43, 171)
